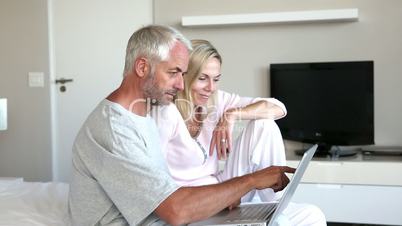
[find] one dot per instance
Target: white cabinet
(359, 189)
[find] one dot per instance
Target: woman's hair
(202, 51)
(153, 42)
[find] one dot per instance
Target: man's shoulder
(112, 129)
(108, 121)
(108, 113)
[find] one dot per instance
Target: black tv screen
(329, 103)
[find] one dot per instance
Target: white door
(87, 41)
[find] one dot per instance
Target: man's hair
(153, 42)
(202, 51)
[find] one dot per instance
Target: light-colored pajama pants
(258, 146)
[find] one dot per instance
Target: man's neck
(131, 98)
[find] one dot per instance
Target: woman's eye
(201, 78)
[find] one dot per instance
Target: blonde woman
(197, 132)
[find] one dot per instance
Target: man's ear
(141, 66)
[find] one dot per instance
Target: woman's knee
(305, 214)
(315, 216)
(264, 140)
(318, 215)
(267, 126)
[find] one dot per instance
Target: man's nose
(179, 85)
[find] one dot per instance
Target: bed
(33, 203)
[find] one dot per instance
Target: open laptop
(262, 213)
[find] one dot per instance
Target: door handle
(63, 81)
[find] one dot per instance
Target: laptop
(267, 214)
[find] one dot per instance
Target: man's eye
(201, 78)
(216, 80)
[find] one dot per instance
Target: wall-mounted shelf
(274, 17)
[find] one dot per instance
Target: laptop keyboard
(256, 212)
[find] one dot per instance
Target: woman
(204, 123)
(198, 133)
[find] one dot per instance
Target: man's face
(162, 86)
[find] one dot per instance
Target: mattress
(33, 203)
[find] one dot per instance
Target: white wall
(89, 42)
(25, 148)
(249, 49)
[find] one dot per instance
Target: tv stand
(325, 150)
(361, 189)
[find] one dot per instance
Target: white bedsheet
(32, 203)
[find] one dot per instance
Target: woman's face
(206, 82)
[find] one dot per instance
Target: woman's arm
(259, 110)
(222, 135)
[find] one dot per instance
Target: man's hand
(234, 205)
(272, 177)
(190, 204)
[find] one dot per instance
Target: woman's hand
(222, 135)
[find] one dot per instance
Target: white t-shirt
(119, 173)
(185, 157)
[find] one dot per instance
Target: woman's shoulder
(224, 96)
(231, 99)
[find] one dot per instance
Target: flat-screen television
(328, 103)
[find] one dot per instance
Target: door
(87, 49)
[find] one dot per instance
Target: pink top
(185, 158)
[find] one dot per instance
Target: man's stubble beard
(153, 92)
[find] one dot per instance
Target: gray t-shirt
(119, 175)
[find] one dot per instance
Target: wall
(87, 41)
(249, 49)
(88, 47)
(25, 149)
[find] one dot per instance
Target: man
(119, 174)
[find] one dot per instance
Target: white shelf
(275, 17)
(359, 169)
(353, 173)
(347, 189)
